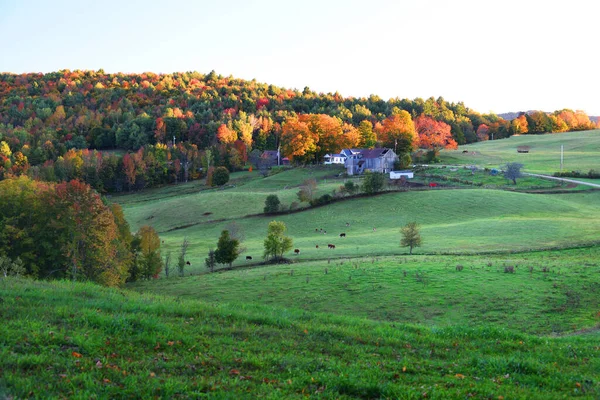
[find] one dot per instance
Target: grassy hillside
(581, 152)
(453, 221)
(81, 341)
(549, 292)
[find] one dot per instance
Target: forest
(122, 132)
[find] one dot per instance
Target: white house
(400, 174)
(334, 159)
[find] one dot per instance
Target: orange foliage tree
(398, 132)
(434, 135)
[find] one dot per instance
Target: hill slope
(77, 340)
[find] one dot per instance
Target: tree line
(176, 126)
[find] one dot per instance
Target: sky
(495, 56)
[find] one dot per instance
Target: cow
(316, 230)
(342, 235)
(331, 246)
(297, 251)
(465, 151)
(317, 246)
(248, 258)
(188, 263)
(324, 232)
(347, 223)
(374, 229)
(432, 184)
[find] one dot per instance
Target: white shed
(400, 174)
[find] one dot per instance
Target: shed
(400, 174)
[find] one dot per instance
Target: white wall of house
(400, 174)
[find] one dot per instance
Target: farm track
(594, 185)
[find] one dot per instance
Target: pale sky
(495, 56)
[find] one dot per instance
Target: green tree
(210, 261)
(181, 259)
(272, 204)
(373, 182)
(411, 237)
(220, 176)
(227, 249)
(276, 243)
(512, 171)
(368, 138)
(150, 260)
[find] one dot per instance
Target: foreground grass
(80, 341)
(549, 292)
(581, 152)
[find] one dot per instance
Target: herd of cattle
(329, 245)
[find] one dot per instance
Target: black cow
(342, 235)
(248, 258)
(297, 251)
(188, 263)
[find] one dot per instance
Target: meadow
(581, 152)
(468, 220)
(78, 340)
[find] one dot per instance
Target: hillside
(117, 344)
(468, 220)
(581, 152)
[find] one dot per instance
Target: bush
(220, 176)
(373, 182)
(272, 204)
(325, 199)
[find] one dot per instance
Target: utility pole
(173, 140)
(562, 148)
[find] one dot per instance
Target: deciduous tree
(276, 243)
(411, 236)
(227, 249)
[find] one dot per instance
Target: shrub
(509, 269)
(220, 176)
(459, 267)
(272, 204)
(325, 199)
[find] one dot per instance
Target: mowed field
(464, 221)
(581, 152)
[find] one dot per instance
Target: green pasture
(546, 292)
(77, 340)
(452, 221)
(581, 152)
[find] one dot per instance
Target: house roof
(269, 154)
(371, 153)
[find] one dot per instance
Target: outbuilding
(400, 174)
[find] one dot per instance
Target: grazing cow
(317, 246)
(342, 235)
(331, 246)
(347, 223)
(188, 263)
(324, 232)
(316, 230)
(465, 151)
(297, 251)
(248, 258)
(432, 184)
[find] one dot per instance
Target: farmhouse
(335, 159)
(375, 160)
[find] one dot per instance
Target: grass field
(64, 340)
(453, 221)
(581, 152)
(549, 292)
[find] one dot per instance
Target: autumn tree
(483, 132)
(397, 132)
(297, 140)
(434, 135)
(411, 236)
(227, 249)
(226, 135)
(276, 243)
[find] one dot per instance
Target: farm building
(335, 159)
(400, 174)
(374, 160)
(272, 158)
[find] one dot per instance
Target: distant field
(65, 340)
(453, 221)
(581, 152)
(548, 293)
